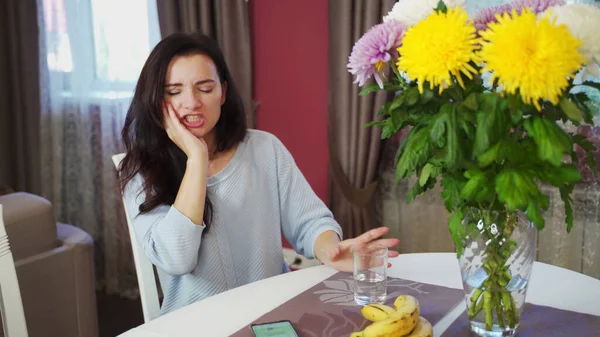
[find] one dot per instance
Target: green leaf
(534, 214)
(416, 152)
(412, 96)
(514, 106)
(471, 102)
(427, 96)
(385, 109)
(491, 123)
(388, 129)
(438, 127)
(457, 231)
(497, 153)
(583, 101)
(571, 110)
(558, 176)
(552, 141)
(378, 124)
(373, 87)
(454, 150)
(468, 128)
(451, 191)
(397, 102)
(589, 148)
(425, 174)
(565, 195)
(398, 118)
(591, 84)
(515, 188)
(582, 141)
(514, 103)
(417, 189)
(478, 188)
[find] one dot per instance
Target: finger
(389, 265)
(347, 244)
(372, 234)
(334, 254)
(173, 115)
(393, 253)
(389, 243)
(167, 116)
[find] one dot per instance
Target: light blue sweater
(258, 196)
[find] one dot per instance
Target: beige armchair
(55, 268)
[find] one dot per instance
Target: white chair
(11, 305)
(143, 267)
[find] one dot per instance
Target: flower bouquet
(486, 98)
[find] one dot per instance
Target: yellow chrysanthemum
(531, 55)
(438, 47)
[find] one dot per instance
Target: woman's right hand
(193, 147)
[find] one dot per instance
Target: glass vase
(499, 251)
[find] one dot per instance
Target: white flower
(583, 21)
(409, 12)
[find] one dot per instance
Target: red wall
(290, 62)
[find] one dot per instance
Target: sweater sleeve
(169, 239)
(304, 216)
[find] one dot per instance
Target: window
(99, 44)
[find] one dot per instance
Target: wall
(290, 62)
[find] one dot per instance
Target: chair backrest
(11, 305)
(143, 267)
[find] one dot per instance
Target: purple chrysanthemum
(536, 6)
(373, 49)
(486, 16)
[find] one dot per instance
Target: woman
(209, 199)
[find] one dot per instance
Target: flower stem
(498, 304)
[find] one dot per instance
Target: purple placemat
(328, 308)
(540, 321)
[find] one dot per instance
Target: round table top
(230, 311)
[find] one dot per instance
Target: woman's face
(193, 88)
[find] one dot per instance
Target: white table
(226, 313)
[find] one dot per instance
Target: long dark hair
(149, 151)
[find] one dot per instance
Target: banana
(422, 329)
(376, 312)
(409, 304)
(405, 300)
(399, 323)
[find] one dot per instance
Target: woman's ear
(223, 92)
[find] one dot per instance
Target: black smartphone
(274, 329)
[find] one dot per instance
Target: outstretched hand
(340, 257)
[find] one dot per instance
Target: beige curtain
(225, 20)
(354, 150)
(19, 96)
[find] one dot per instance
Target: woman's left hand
(340, 257)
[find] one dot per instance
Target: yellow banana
(376, 312)
(400, 323)
(405, 300)
(422, 329)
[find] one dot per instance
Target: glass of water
(370, 273)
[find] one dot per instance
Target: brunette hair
(149, 151)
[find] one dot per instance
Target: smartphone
(274, 329)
